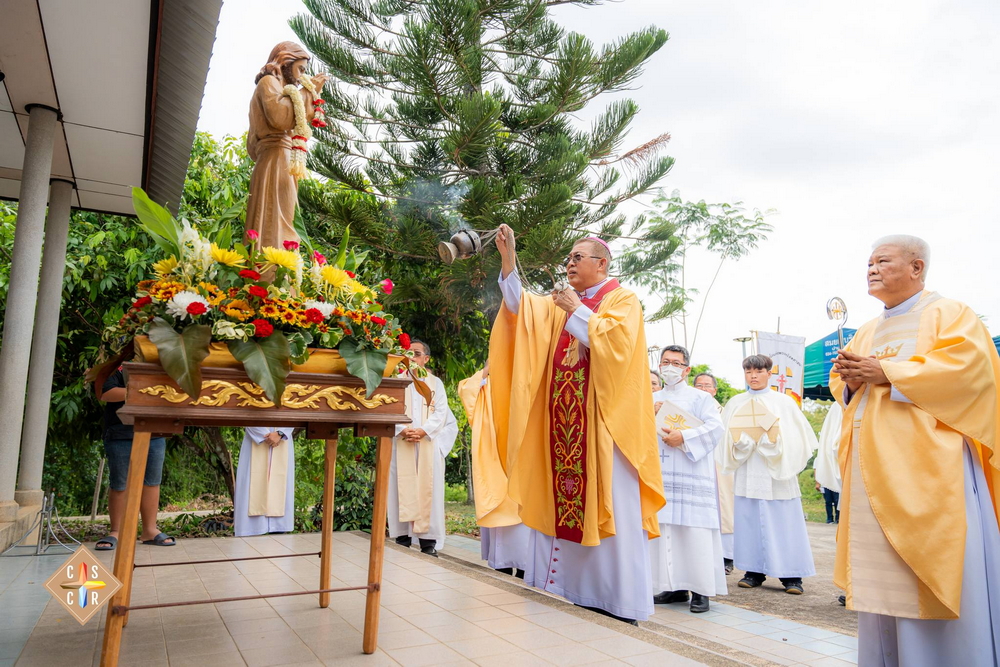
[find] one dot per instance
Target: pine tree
(453, 114)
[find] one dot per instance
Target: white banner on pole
(789, 356)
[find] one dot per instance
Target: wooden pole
(125, 551)
(329, 482)
(376, 551)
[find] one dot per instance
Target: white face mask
(671, 375)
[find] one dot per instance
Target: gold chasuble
(901, 538)
(562, 408)
(494, 508)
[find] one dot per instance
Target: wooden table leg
(329, 482)
(125, 551)
(377, 549)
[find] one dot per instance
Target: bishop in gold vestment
(573, 402)
(918, 548)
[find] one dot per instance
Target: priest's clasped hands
(413, 434)
(855, 370)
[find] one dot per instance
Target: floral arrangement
(268, 305)
(303, 133)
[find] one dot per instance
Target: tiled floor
(433, 614)
(778, 640)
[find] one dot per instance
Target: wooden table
(322, 404)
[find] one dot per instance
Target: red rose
(350, 274)
(318, 122)
(379, 321)
(197, 308)
(318, 256)
(141, 302)
(404, 341)
(253, 234)
(314, 315)
(291, 245)
(319, 102)
(262, 328)
(249, 274)
(257, 291)
(386, 286)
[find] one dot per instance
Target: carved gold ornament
(216, 393)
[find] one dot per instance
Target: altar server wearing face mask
(686, 560)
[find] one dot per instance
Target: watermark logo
(83, 584)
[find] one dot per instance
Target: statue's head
(287, 61)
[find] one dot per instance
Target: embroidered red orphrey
(568, 419)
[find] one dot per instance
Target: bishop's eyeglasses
(576, 258)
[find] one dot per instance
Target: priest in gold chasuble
(572, 400)
(918, 548)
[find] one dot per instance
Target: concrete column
(43, 346)
(22, 293)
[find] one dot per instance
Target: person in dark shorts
(118, 449)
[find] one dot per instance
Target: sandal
(161, 541)
(110, 541)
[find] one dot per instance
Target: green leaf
(299, 347)
(157, 222)
(364, 363)
(342, 250)
(300, 228)
(181, 354)
(266, 361)
(224, 238)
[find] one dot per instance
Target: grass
(813, 503)
(460, 518)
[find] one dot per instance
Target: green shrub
(455, 493)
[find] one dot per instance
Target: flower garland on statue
(303, 133)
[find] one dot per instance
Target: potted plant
(269, 310)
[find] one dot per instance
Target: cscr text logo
(83, 584)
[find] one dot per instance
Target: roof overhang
(127, 77)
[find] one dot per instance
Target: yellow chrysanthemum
(270, 311)
(214, 294)
(239, 309)
(226, 256)
(165, 290)
(285, 259)
(334, 277)
(165, 266)
(357, 288)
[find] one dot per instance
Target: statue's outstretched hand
(320, 80)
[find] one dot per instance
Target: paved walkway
(435, 612)
(774, 638)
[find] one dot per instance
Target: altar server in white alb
(687, 557)
(826, 464)
(767, 443)
(416, 475)
(265, 483)
(706, 382)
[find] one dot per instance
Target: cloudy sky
(852, 119)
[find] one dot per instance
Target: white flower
(179, 304)
(321, 306)
(227, 330)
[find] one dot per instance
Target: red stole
(568, 421)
